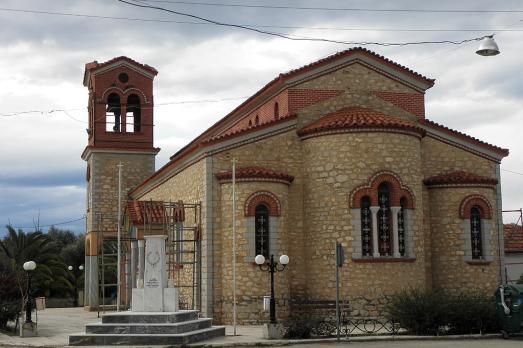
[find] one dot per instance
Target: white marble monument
(152, 294)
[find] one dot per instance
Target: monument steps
(150, 328)
(146, 339)
(149, 317)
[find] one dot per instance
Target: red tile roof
(236, 131)
(459, 177)
(95, 65)
(513, 238)
(358, 118)
(351, 51)
(252, 173)
(150, 212)
(468, 138)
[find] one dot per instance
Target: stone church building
(337, 150)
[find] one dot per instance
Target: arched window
(257, 120)
(384, 225)
(475, 233)
(250, 123)
(113, 112)
(276, 111)
(133, 114)
(261, 235)
(366, 227)
(401, 226)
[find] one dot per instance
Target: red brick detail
(300, 98)
(93, 66)
(101, 83)
(459, 177)
(411, 102)
(141, 212)
(264, 197)
(254, 173)
(397, 191)
(513, 234)
(478, 201)
(355, 117)
(463, 136)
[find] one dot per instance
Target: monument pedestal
(155, 318)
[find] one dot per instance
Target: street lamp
(75, 276)
(272, 267)
(488, 47)
(28, 266)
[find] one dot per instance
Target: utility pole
(118, 270)
(234, 245)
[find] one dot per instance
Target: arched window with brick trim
(366, 227)
(261, 234)
(475, 233)
(113, 113)
(262, 211)
(276, 111)
(384, 220)
(476, 212)
(133, 114)
(381, 212)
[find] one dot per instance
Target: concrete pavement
(56, 324)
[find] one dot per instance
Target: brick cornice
(357, 118)
(255, 174)
(459, 178)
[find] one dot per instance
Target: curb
(269, 343)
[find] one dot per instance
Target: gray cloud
(41, 68)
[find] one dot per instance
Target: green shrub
(302, 326)
(472, 313)
(430, 312)
(420, 312)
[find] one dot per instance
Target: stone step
(146, 339)
(149, 317)
(148, 328)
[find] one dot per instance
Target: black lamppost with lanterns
(272, 267)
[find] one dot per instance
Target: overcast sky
(43, 56)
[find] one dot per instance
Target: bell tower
(120, 135)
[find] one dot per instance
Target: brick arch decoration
(478, 201)
(397, 190)
(124, 94)
(266, 198)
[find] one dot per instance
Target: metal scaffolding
(180, 222)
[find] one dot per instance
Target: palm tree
(20, 247)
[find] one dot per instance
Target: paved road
(482, 343)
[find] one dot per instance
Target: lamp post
(272, 267)
(75, 276)
(28, 266)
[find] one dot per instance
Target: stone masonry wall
(448, 267)
(252, 283)
(450, 270)
(104, 186)
(337, 164)
(188, 186)
(280, 153)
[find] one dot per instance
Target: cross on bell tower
(120, 132)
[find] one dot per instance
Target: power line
(167, 21)
(49, 225)
(511, 171)
(65, 111)
(141, 4)
(345, 9)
